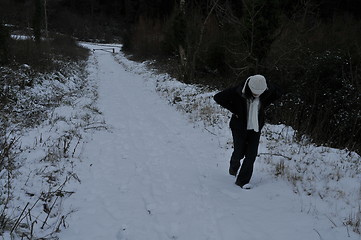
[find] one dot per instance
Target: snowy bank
(42, 144)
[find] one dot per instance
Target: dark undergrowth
(316, 60)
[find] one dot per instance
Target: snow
(156, 172)
(20, 37)
(144, 156)
(47, 122)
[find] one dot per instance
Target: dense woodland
(311, 48)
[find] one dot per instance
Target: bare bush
(42, 127)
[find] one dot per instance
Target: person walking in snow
(247, 102)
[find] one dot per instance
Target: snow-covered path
(153, 176)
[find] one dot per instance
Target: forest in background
(310, 48)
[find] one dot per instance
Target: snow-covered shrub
(43, 118)
(315, 172)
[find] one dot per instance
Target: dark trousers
(245, 144)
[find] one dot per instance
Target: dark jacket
(233, 100)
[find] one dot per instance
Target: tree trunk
(37, 21)
(46, 21)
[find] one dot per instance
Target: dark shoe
(238, 184)
(233, 171)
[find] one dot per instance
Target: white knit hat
(257, 84)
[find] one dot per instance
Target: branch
(18, 221)
(277, 154)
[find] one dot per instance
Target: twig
(96, 127)
(318, 234)
(29, 213)
(32, 229)
(51, 208)
(46, 219)
(348, 232)
(210, 131)
(29, 210)
(334, 224)
(18, 221)
(76, 146)
(277, 154)
(62, 220)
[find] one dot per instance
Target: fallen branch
(210, 132)
(276, 154)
